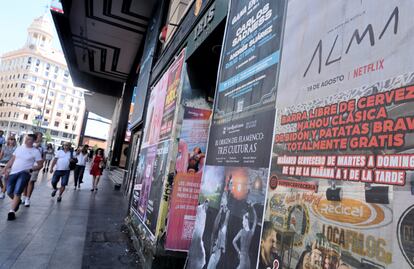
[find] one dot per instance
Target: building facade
(269, 134)
(36, 89)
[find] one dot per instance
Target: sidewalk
(83, 231)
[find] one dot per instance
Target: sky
(15, 18)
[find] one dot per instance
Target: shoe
(27, 202)
(2, 195)
(92, 189)
(96, 189)
(23, 199)
(11, 216)
(59, 199)
(54, 192)
(44, 170)
(79, 187)
(75, 188)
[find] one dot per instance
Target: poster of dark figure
(228, 226)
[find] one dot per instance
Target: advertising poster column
(340, 190)
(233, 187)
(156, 147)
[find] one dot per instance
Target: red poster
(183, 208)
(189, 167)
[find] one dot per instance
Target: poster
(229, 214)
(173, 85)
(189, 166)
(240, 134)
(155, 112)
(153, 164)
(158, 175)
(233, 187)
(339, 189)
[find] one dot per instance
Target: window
(9, 114)
(73, 92)
(29, 60)
(49, 102)
(36, 69)
(74, 127)
(55, 133)
(53, 84)
(55, 76)
(70, 108)
(58, 114)
(25, 116)
(47, 66)
(44, 82)
(52, 93)
(56, 124)
(47, 111)
(68, 117)
(46, 73)
(66, 74)
(41, 100)
(14, 94)
(37, 62)
(20, 94)
(34, 78)
(30, 97)
(23, 85)
(66, 126)
(72, 100)
(33, 88)
(62, 97)
(56, 69)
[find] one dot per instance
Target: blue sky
(15, 17)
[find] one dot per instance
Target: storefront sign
(214, 15)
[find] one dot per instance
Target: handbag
(72, 161)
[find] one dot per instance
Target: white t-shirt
(82, 159)
(63, 159)
(25, 159)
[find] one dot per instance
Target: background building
(36, 90)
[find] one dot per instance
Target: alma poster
(339, 192)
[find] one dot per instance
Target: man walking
(61, 160)
(30, 186)
(2, 139)
(25, 160)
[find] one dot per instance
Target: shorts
(34, 176)
(17, 182)
(64, 174)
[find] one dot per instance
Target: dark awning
(101, 39)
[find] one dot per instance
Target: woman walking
(5, 155)
(98, 164)
(50, 153)
(82, 156)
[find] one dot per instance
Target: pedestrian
(61, 161)
(49, 154)
(82, 156)
(2, 140)
(25, 160)
(6, 154)
(27, 193)
(98, 165)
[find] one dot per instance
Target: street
(83, 231)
